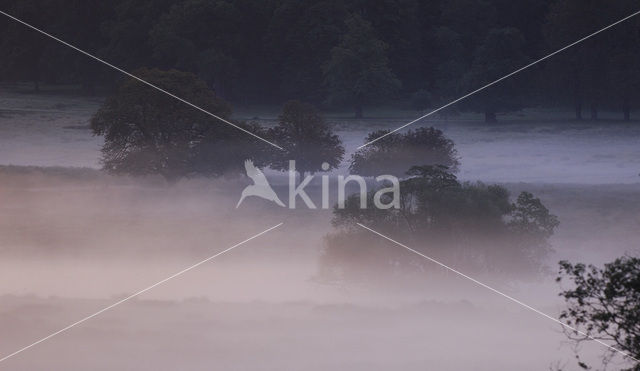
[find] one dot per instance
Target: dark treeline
(342, 52)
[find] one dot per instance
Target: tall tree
(148, 132)
(580, 70)
(23, 48)
(357, 72)
(80, 23)
(298, 41)
(451, 63)
(128, 32)
(500, 53)
(214, 39)
(306, 138)
(399, 23)
(624, 75)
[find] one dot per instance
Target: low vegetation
(440, 216)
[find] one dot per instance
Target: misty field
(74, 239)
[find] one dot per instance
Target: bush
(473, 223)
(396, 153)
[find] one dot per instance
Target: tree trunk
(490, 116)
(626, 109)
(578, 108)
(577, 93)
(359, 110)
(36, 85)
(594, 111)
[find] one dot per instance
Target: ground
(74, 240)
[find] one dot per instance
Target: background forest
(338, 53)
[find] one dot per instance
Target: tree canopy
(501, 52)
(604, 303)
(357, 72)
(147, 132)
(397, 152)
(306, 138)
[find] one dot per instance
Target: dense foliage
(147, 132)
(604, 303)
(306, 138)
(358, 71)
(397, 152)
(439, 216)
(345, 52)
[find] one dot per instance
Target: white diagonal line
(502, 78)
(137, 293)
(501, 293)
(139, 79)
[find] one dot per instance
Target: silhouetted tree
(577, 74)
(128, 33)
(200, 37)
(357, 72)
(353, 52)
(397, 152)
(604, 303)
(405, 26)
(500, 53)
(532, 225)
(306, 138)
(298, 40)
(474, 223)
(624, 74)
(460, 28)
(148, 132)
(22, 49)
